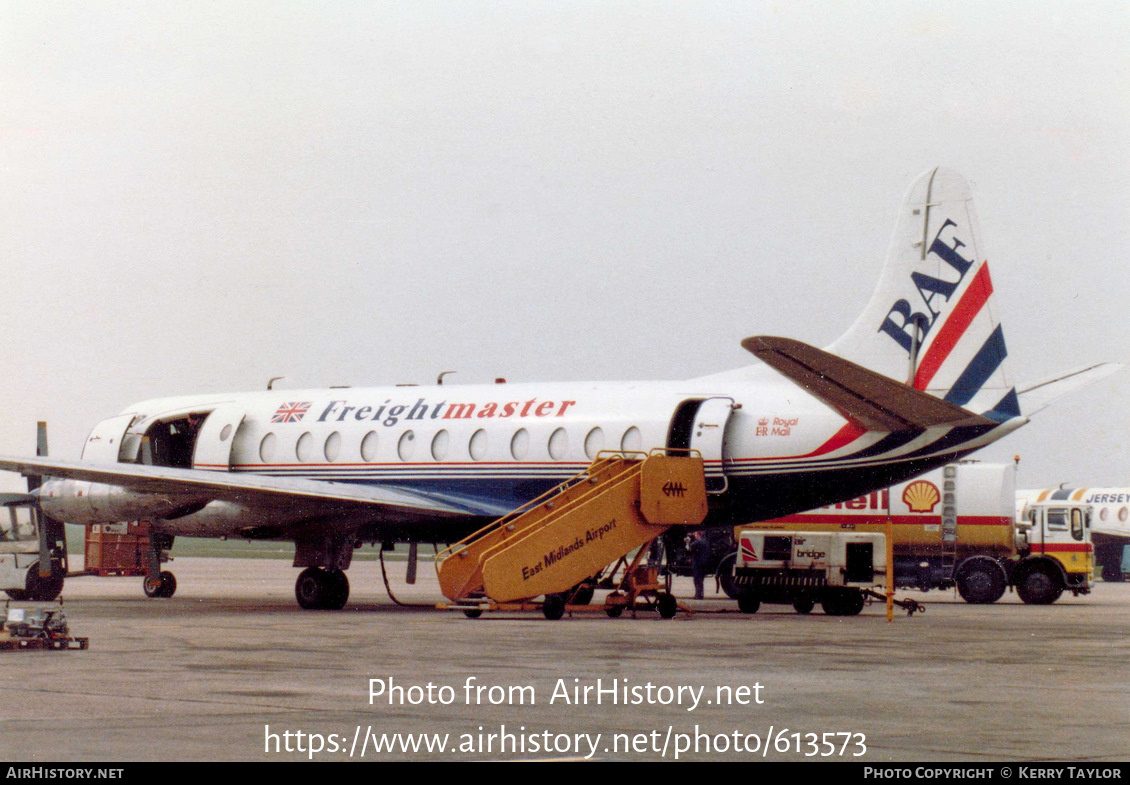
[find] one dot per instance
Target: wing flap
(871, 399)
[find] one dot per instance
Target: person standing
(700, 559)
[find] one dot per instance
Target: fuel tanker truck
(961, 526)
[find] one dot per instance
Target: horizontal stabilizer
(871, 399)
(1040, 395)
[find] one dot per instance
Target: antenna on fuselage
(271, 382)
(439, 379)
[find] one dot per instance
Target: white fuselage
(492, 446)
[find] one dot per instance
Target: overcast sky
(199, 196)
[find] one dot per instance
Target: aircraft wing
(1040, 395)
(875, 401)
(243, 487)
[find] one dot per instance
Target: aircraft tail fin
(931, 322)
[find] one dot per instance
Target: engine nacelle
(88, 503)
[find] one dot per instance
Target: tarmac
(230, 669)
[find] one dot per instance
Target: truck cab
(1053, 541)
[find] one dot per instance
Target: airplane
(1110, 523)
(920, 380)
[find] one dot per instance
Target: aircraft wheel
(168, 584)
(749, 603)
(981, 580)
(163, 586)
(725, 576)
(666, 605)
(310, 589)
(554, 607)
(1039, 587)
(151, 586)
(338, 590)
(804, 604)
(321, 589)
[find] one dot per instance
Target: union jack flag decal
(292, 412)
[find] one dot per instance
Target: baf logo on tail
(915, 325)
(933, 309)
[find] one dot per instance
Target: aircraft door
(700, 424)
(104, 444)
(215, 438)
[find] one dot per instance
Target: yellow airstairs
(558, 542)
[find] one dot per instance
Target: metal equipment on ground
(37, 627)
(837, 570)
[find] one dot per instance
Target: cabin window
(632, 441)
(369, 446)
(520, 444)
(478, 445)
(267, 448)
(305, 447)
(1122, 514)
(1103, 513)
(558, 444)
(594, 443)
(441, 443)
(333, 446)
(225, 432)
(406, 446)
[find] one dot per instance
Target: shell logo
(921, 496)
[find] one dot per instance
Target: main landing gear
(158, 583)
(318, 588)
